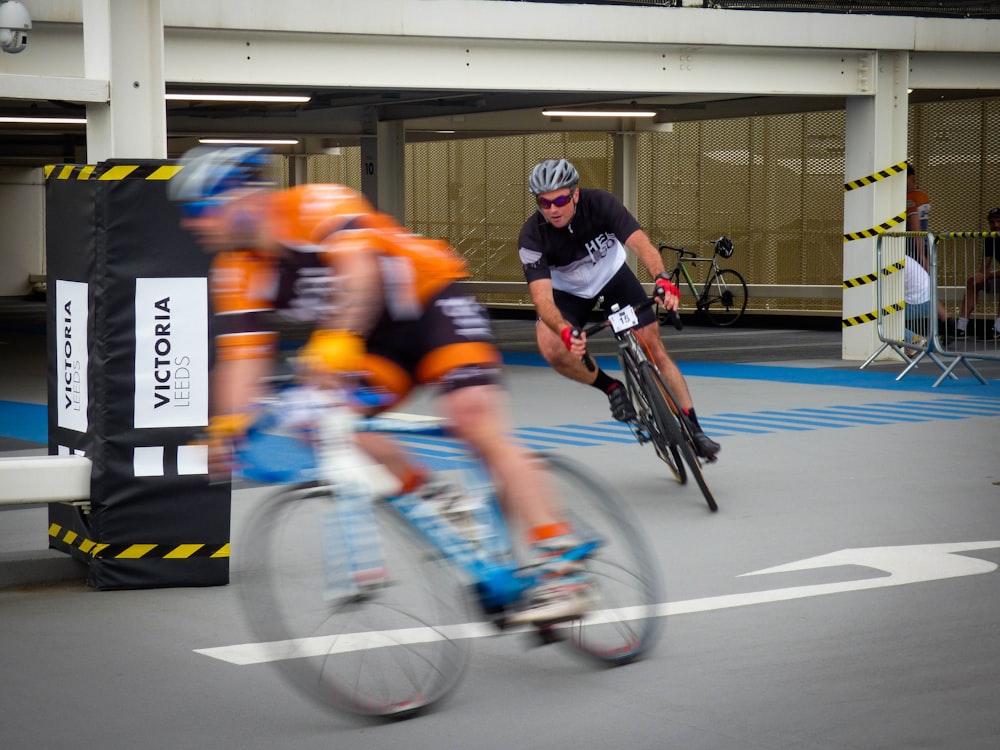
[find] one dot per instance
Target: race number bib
(623, 319)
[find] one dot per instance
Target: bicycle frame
(637, 361)
(487, 561)
(369, 600)
(682, 270)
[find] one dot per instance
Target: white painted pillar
(875, 141)
(625, 176)
(123, 43)
(383, 169)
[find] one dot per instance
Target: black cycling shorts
(623, 289)
(449, 346)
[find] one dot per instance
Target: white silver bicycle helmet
(552, 174)
(209, 172)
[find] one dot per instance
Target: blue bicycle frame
(487, 559)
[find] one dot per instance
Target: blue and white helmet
(552, 174)
(210, 172)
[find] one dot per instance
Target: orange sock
(413, 478)
(549, 531)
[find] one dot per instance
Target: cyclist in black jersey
(573, 250)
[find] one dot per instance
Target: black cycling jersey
(584, 256)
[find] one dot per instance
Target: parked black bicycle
(658, 419)
(723, 298)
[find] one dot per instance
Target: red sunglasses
(559, 201)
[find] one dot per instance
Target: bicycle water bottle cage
(724, 247)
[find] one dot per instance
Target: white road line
(904, 565)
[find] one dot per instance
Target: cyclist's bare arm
(647, 253)
(360, 291)
(237, 384)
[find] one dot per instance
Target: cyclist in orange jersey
(381, 301)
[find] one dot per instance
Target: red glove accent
(665, 286)
(567, 336)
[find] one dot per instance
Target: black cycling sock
(604, 382)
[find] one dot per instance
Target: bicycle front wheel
(725, 297)
(663, 440)
(623, 572)
(390, 651)
(668, 414)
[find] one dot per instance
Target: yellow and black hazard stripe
(111, 171)
(871, 317)
(870, 278)
(873, 178)
(966, 235)
(882, 228)
(104, 551)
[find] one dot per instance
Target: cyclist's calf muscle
(650, 335)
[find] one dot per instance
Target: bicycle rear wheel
(623, 572)
(725, 297)
(667, 414)
(663, 441)
(389, 652)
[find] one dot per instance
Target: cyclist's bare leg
(478, 416)
(570, 365)
(650, 335)
(560, 358)
(385, 451)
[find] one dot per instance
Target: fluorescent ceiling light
(251, 141)
(598, 113)
(264, 98)
(46, 120)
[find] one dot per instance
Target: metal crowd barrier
(953, 258)
(960, 257)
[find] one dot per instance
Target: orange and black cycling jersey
(313, 223)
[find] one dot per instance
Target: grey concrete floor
(845, 596)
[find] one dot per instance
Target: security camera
(14, 25)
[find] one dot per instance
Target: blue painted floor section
(959, 398)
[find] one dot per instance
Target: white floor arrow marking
(904, 565)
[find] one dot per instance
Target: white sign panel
(171, 352)
(71, 313)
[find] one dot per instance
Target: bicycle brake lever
(674, 318)
(586, 358)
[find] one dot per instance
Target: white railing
(25, 480)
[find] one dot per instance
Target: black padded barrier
(128, 366)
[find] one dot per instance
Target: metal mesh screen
(474, 194)
(774, 184)
(340, 165)
(955, 149)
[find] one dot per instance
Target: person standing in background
(918, 216)
(984, 280)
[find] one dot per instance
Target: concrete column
(625, 177)
(875, 140)
(123, 43)
(383, 169)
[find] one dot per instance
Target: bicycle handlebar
(679, 250)
(600, 326)
(723, 248)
